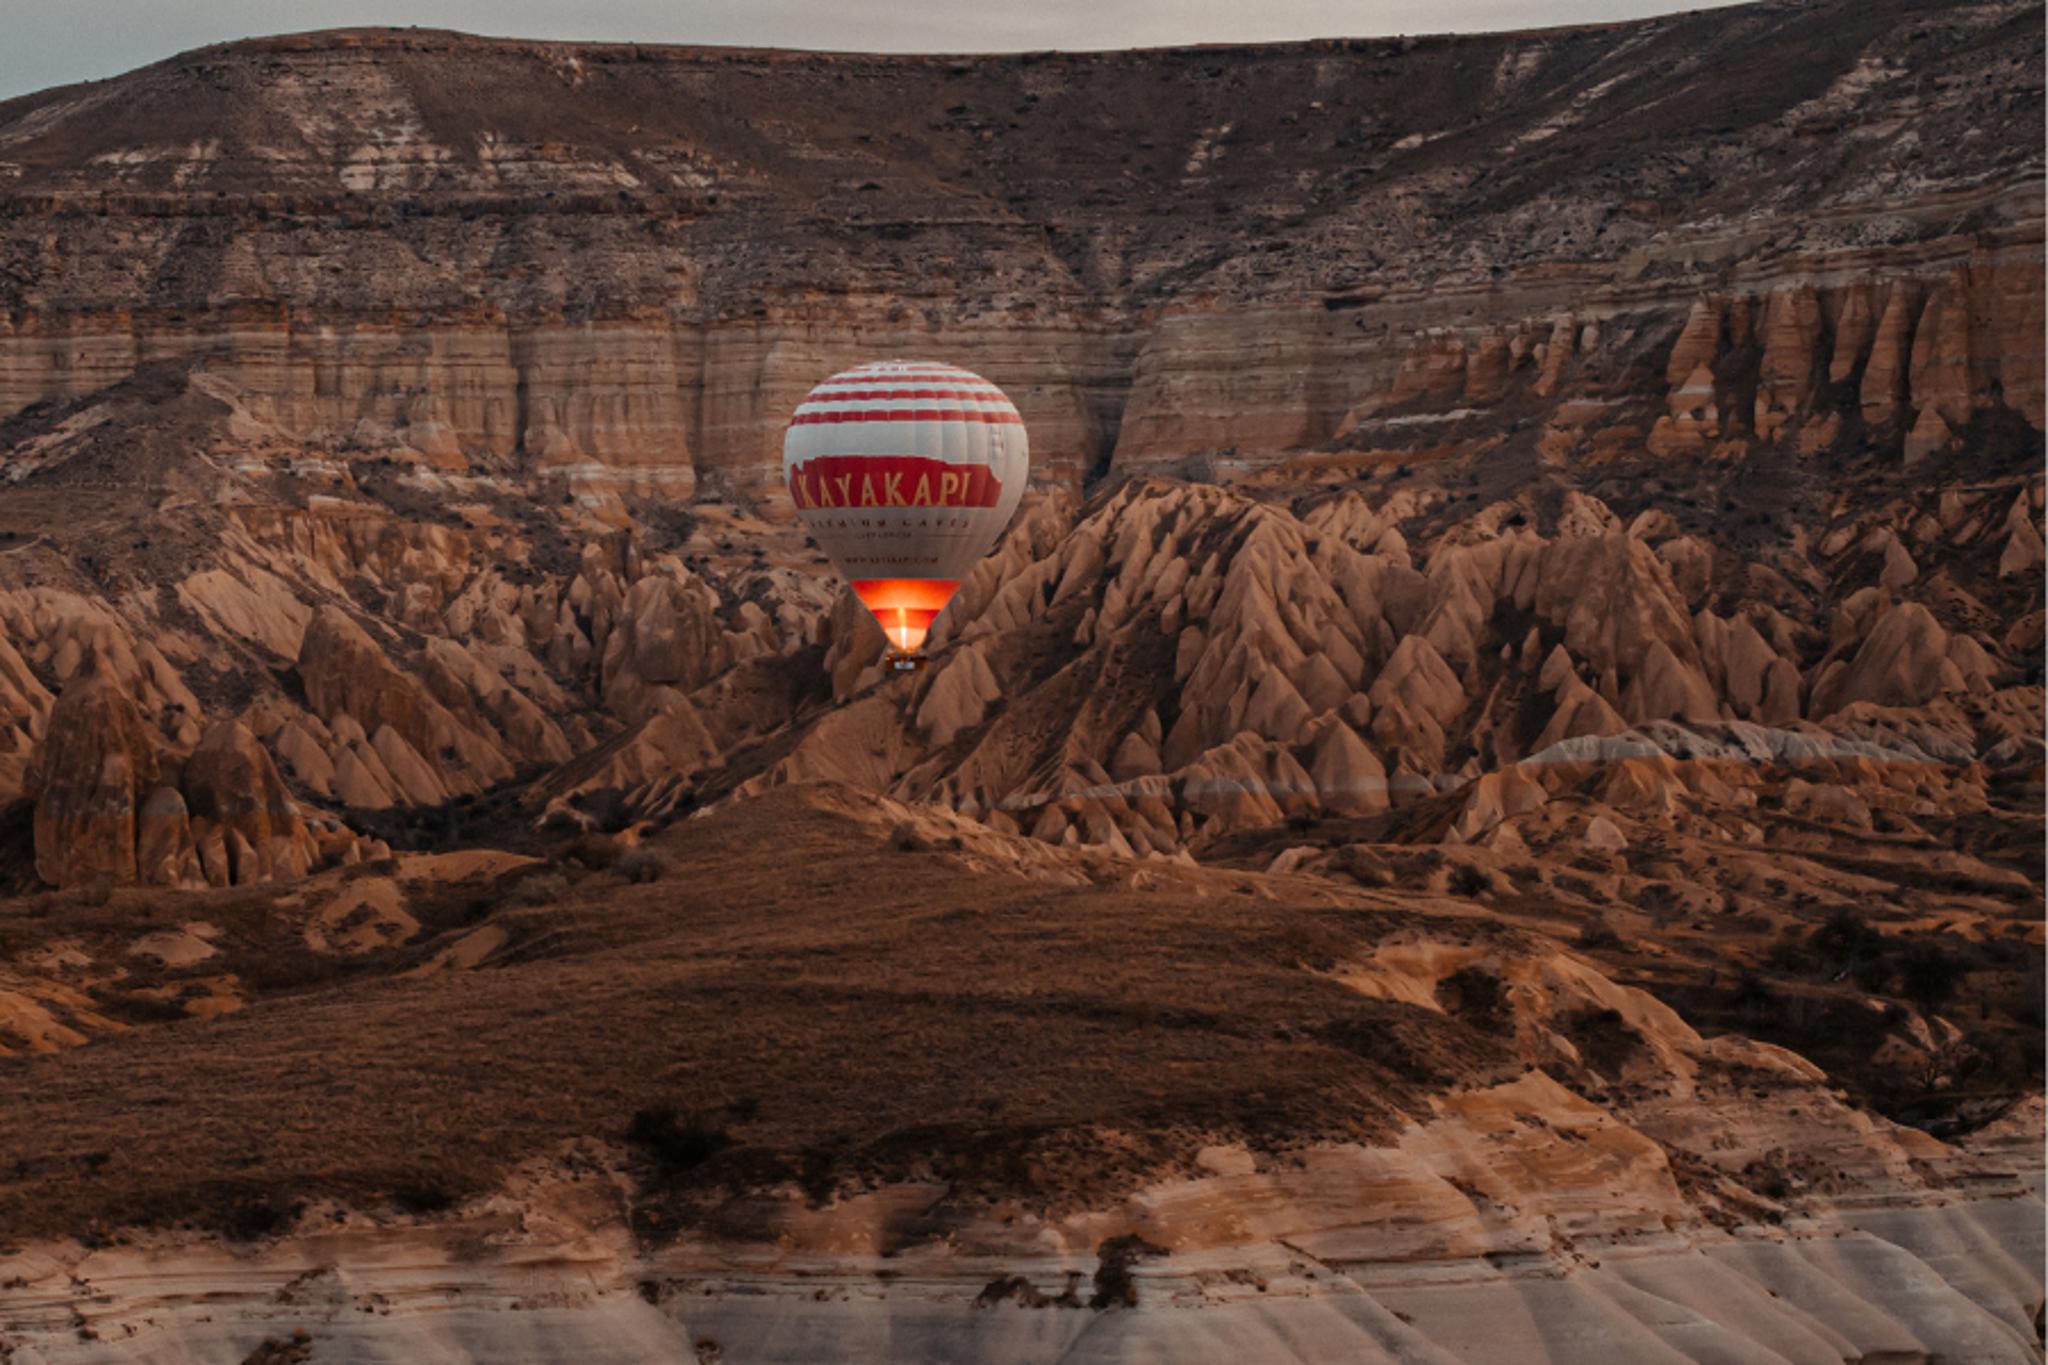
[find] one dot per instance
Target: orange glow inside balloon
(905, 607)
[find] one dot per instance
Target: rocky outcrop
(1906, 660)
(92, 779)
(399, 741)
(244, 824)
(1791, 340)
(1275, 671)
(1440, 481)
(1938, 352)
(1872, 1281)
(1471, 1141)
(1883, 392)
(110, 809)
(1154, 671)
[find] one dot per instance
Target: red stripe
(883, 367)
(856, 481)
(951, 381)
(890, 381)
(818, 395)
(907, 415)
(890, 376)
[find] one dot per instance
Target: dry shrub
(1114, 1286)
(1600, 935)
(542, 888)
(678, 1144)
(643, 865)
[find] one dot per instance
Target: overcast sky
(55, 42)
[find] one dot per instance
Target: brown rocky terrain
(1032, 1102)
(1504, 748)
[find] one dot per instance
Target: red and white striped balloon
(905, 472)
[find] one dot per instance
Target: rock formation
(561, 560)
(245, 826)
(1531, 596)
(724, 291)
(94, 780)
(1392, 1126)
(106, 811)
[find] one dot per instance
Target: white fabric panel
(948, 415)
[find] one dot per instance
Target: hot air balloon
(905, 472)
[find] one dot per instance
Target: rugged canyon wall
(432, 441)
(1478, 450)
(1532, 603)
(621, 266)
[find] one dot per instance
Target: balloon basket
(905, 663)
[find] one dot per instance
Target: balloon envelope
(905, 472)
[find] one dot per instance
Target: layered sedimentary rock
(245, 826)
(1493, 1149)
(635, 307)
(106, 811)
(456, 444)
(1236, 1262)
(92, 781)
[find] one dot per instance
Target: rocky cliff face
(1680, 371)
(619, 267)
(1587, 481)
